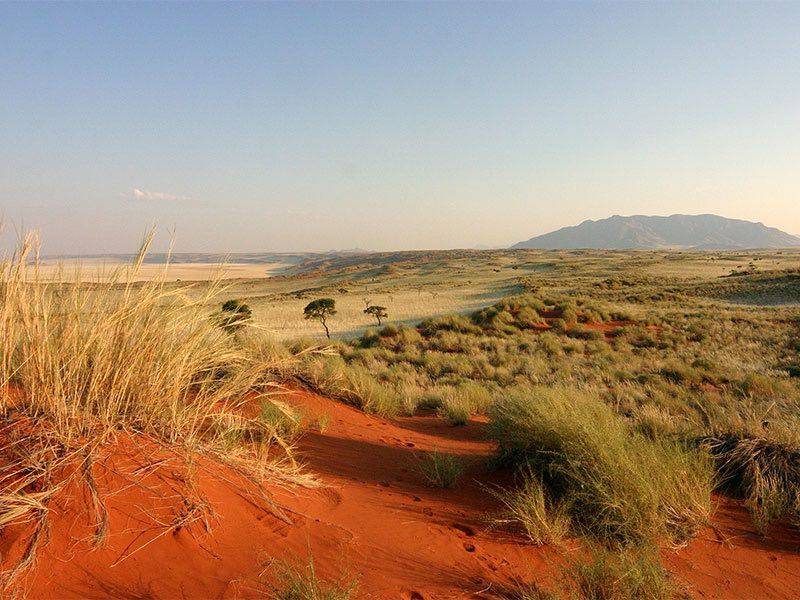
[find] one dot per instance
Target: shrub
(584, 333)
(456, 411)
(550, 343)
(456, 323)
(353, 384)
(441, 470)
(639, 337)
(618, 486)
(234, 315)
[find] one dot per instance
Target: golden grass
(80, 363)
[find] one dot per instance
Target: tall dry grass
(81, 362)
(616, 485)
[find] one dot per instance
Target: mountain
(696, 232)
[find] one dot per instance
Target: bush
(618, 486)
(455, 411)
(234, 315)
(459, 403)
(456, 323)
(353, 384)
(584, 333)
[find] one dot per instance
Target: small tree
(234, 315)
(320, 310)
(379, 312)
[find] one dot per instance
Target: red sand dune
(374, 519)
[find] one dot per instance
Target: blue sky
(249, 127)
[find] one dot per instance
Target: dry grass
(529, 507)
(764, 472)
(302, 582)
(80, 363)
(617, 486)
(441, 470)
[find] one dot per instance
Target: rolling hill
(697, 232)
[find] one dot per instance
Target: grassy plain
(621, 388)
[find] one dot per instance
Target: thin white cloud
(157, 196)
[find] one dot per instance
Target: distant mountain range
(695, 232)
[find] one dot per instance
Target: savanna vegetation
(619, 392)
(621, 401)
(85, 368)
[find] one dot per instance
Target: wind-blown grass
(616, 485)
(80, 363)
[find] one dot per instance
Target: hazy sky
(383, 126)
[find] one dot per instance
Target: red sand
(375, 519)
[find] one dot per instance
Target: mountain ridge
(677, 231)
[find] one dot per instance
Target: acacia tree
(320, 310)
(379, 312)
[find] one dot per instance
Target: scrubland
(623, 392)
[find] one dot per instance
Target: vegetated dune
(373, 520)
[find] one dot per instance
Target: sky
(238, 127)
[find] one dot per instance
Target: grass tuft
(441, 470)
(617, 486)
(303, 583)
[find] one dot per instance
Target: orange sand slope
(373, 519)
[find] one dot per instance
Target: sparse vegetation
(303, 583)
(234, 315)
(81, 365)
(441, 470)
(320, 310)
(616, 486)
(618, 391)
(634, 574)
(530, 507)
(378, 312)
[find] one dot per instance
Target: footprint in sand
(465, 529)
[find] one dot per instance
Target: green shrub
(234, 315)
(457, 323)
(353, 384)
(456, 411)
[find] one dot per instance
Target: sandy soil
(374, 519)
